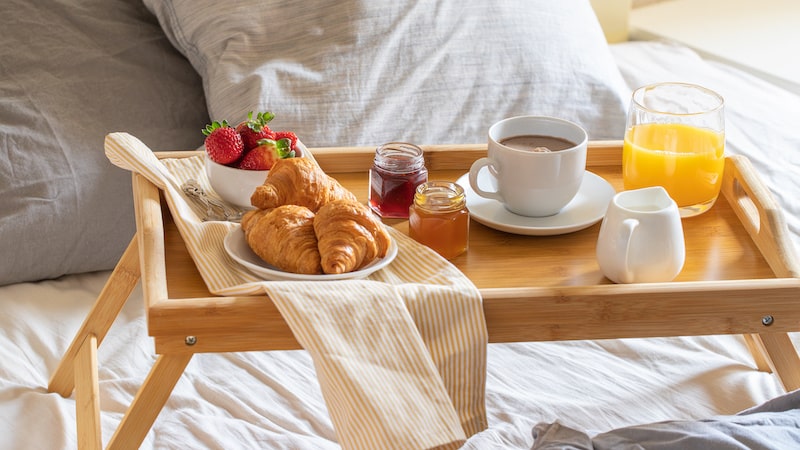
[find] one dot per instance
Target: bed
(162, 70)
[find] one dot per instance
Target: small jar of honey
(439, 218)
(397, 170)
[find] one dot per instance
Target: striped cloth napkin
(400, 355)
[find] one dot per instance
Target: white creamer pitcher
(641, 237)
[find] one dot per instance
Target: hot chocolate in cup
(537, 164)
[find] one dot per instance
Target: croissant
(284, 237)
(349, 236)
(250, 217)
(298, 181)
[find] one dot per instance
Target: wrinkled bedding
(272, 400)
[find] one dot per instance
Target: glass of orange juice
(675, 138)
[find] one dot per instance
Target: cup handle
(626, 235)
(473, 179)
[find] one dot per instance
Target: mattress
(272, 399)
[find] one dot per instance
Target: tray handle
(760, 215)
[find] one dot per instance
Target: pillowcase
(70, 72)
(365, 72)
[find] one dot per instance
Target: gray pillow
(71, 72)
(364, 72)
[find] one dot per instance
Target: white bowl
(235, 186)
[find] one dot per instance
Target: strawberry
(287, 135)
(266, 153)
(254, 129)
(223, 144)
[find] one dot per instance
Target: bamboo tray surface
(739, 267)
(718, 245)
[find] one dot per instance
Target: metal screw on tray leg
(190, 340)
(767, 320)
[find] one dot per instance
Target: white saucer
(587, 208)
(237, 247)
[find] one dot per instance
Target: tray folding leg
(775, 353)
(78, 368)
(102, 315)
(149, 401)
(759, 353)
(782, 357)
(87, 396)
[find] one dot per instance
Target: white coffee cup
(641, 237)
(531, 183)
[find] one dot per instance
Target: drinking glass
(675, 138)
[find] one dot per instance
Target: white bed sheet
(272, 400)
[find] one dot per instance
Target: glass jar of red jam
(439, 218)
(397, 170)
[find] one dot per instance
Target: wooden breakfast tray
(739, 277)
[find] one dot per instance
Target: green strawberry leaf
(284, 148)
(260, 121)
(213, 126)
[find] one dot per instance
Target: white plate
(587, 208)
(236, 246)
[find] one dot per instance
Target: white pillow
(364, 72)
